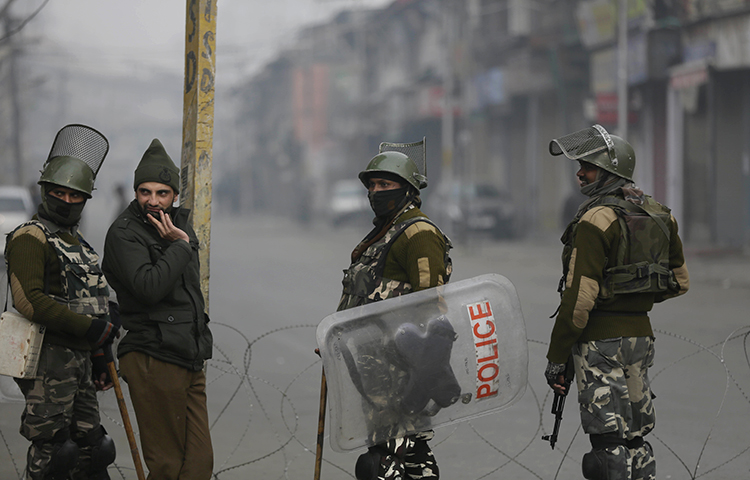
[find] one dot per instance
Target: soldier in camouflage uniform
(404, 253)
(622, 254)
(56, 282)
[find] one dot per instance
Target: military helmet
(595, 146)
(75, 158)
(396, 163)
(70, 172)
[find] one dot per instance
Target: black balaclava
(62, 213)
(605, 184)
(385, 202)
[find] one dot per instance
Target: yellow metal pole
(198, 124)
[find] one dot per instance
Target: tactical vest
(364, 282)
(642, 263)
(84, 288)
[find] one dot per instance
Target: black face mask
(385, 202)
(60, 212)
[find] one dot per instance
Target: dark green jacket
(581, 317)
(158, 289)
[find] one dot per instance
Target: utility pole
(447, 130)
(198, 125)
(14, 94)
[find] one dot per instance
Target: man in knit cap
(56, 282)
(151, 260)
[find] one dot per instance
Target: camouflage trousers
(615, 400)
(60, 401)
(407, 458)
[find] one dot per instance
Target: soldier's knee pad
(103, 451)
(367, 465)
(377, 464)
(595, 465)
(64, 456)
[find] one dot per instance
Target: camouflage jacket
(158, 288)
(56, 281)
(617, 262)
(368, 278)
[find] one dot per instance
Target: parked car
(474, 207)
(16, 207)
(349, 203)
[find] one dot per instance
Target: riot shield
(423, 360)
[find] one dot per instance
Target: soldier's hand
(101, 332)
(100, 369)
(167, 230)
(555, 375)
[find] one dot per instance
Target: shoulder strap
(400, 228)
(632, 207)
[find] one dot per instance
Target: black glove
(99, 360)
(114, 314)
(553, 371)
(101, 331)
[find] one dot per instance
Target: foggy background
(305, 92)
(118, 67)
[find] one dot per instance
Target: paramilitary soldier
(622, 254)
(404, 253)
(56, 282)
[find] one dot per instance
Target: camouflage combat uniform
(620, 257)
(56, 282)
(412, 255)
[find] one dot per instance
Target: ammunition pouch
(637, 278)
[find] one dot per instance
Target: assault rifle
(558, 404)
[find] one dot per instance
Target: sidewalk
(729, 268)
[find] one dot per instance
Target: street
(273, 281)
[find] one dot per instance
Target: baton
(321, 424)
(126, 421)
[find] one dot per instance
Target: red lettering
(494, 374)
(488, 334)
(492, 357)
(486, 342)
(484, 391)
(480, 313)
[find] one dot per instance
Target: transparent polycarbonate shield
(423, 360)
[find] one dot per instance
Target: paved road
(272, 282)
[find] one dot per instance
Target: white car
(16, 207)
(349, 203)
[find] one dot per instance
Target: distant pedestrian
(122, 198)
(151, 260)
(622, 254)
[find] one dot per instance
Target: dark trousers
(170, 407)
